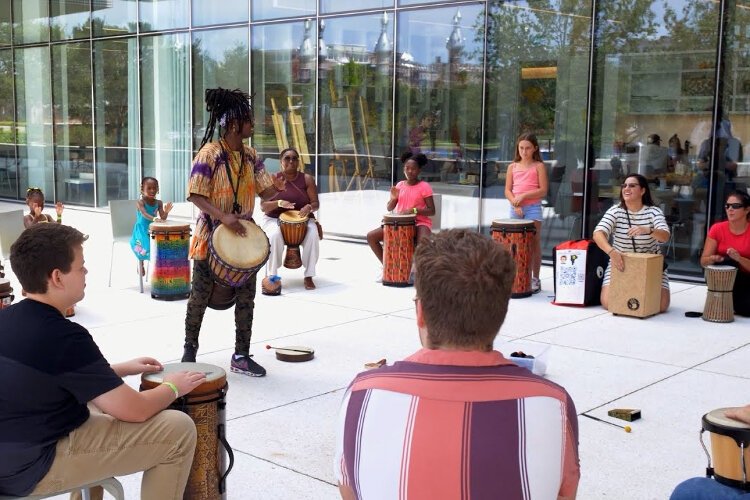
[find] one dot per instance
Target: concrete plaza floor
(282, 427)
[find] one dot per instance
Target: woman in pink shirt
(411, 196)
(525, 186)
(728, 243)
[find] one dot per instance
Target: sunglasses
(631, 185)
(33, 190)
(290, 158)
(735, 206)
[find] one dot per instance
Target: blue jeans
(703, 488)
(530, 212)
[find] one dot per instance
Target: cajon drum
(637, 290)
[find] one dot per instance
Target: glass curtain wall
(114, 17)
(34, 120)
(30, 21)
(356, 107)
(263, 9)
(116, 117)
(205, 12)
(654, 91)
(8, 173)
(537, 82)
(70, 19)
(73, 134)
(165, 112)
(159, 15)
(283, 80)
(220, 59)
(439, 98)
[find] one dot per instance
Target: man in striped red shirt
(456, 420)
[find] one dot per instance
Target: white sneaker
(536, 285)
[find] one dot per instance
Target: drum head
(295, 353)
(718, 268)
(243, 252)
(292, 216)
(512, 223)
(400, 218)
(718, 423)
(215, 376)
(166, 226)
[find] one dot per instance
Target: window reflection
(8, 171)
(165, 112)
(30, 21)
(71, 114)
(283, 76)
(34, 119)
(356, 67)
(114, 17)
(116, 115)
(263, 9)
(537, 81)
(163, 14)
(654, 90)
(69, 19)
(220, 59)
(330, 6)
(5, 26)
(205, 12)
(439, 100)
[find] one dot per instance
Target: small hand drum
(293, 353)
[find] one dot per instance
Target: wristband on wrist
(278, 203)
(59, 218)
(415, 210)
(173, 387)
(611, 250)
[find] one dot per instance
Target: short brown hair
(41, 249)
(463, 281)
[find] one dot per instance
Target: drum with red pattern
(517, 236)
(399, 233)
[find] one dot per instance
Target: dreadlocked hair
(232, 104)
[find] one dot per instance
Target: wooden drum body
(399, 234)
(206, 406)
(517, 236)
(293, 227)
(636, 291)
(719, 307)
(170, 278)
(6, 293)
(234, 259)
(730, 440)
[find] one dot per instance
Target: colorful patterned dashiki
(208, 178)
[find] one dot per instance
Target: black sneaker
(246, 365)
(189, 352)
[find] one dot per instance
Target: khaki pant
(162, 447)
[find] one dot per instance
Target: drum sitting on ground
(234, 259)
(399, 235)
(517, 236)
(719, 307)
(293, 227)
(207, 407)
(170, 278)
(730, 440)
(6, 293)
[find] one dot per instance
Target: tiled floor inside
(281, 427)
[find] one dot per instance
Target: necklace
(236, 208)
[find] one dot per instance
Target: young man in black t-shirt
(66, 417)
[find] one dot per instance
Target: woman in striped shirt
(634, 225)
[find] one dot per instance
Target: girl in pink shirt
(411, 196)
(525, 186)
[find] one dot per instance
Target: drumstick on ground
(627, 428)
(306, 351)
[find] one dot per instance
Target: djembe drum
(719, 307)
(293, 227)
(399, 234)
(235, 259)
(6, 293)
(170, 278)
(730, 440)
(206, 406)
(517, 236)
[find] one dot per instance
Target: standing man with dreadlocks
(225, 177)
